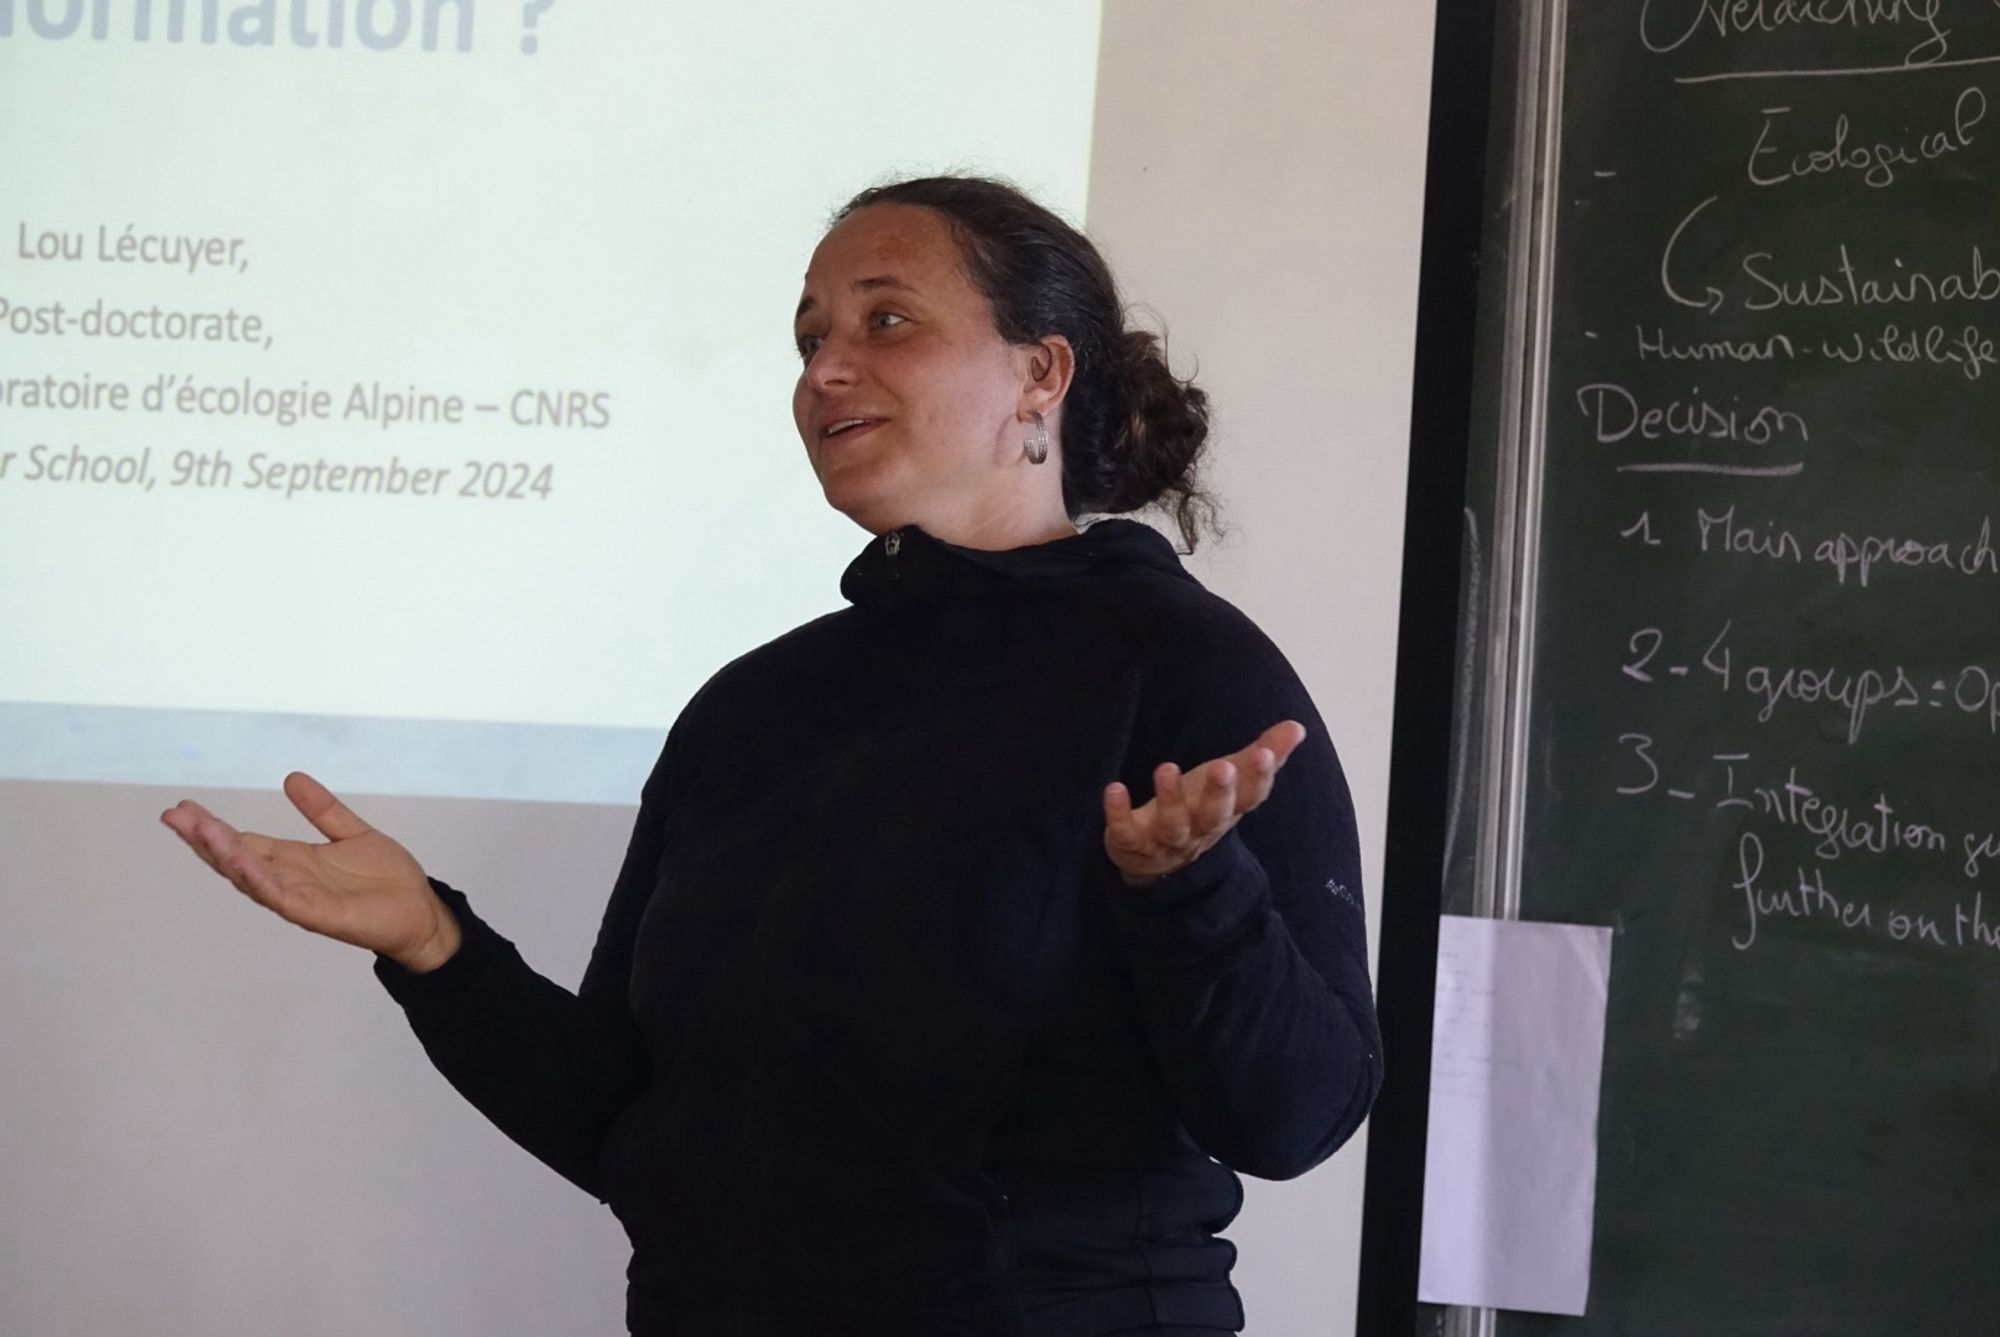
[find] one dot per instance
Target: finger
(1266, 754)
(1121, 827)
(222, 836)
(1171, 820)
(1217, 807)
(183, 815)
(180, 819)
(329, 815)
(243, 858)
(221, 841)
(1260, 774)
(183, 820)
(198, 815)
(216, 839)
(1204, 790)
(1117, 804)
(1281, 738)
(209, 835)
(251, 874)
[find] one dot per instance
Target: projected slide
(400, 390)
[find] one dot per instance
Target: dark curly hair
(1132, 431)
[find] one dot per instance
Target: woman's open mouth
(844, 429)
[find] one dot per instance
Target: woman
(933, 997)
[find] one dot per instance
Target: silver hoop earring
(1038, 444)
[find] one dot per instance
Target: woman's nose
(832, 366)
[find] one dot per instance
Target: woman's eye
(808, 344)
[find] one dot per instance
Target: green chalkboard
(1754, 555)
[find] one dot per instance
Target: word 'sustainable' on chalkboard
(1764, 729)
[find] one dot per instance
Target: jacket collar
(910, 561)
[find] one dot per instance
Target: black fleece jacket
(874, 1039)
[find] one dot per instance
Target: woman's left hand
(1189, 813)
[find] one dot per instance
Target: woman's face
(896, 341)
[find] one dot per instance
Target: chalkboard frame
(1461, 272)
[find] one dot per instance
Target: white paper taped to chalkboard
(1510, 1166)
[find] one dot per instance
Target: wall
(235, 1133)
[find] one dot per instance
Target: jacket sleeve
(552, 1069)
(1251, 962)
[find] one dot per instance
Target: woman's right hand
(359, 887)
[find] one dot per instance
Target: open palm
(359, 887)
(1189, 813)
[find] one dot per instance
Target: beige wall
(1257, 179)
(215, 1125)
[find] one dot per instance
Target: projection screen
(399, 391)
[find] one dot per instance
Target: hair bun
(1164, 430)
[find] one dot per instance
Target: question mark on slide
(530, 12)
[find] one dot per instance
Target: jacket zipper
(892, 543)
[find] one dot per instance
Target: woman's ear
(1047, 366)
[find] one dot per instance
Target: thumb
(333, 818)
